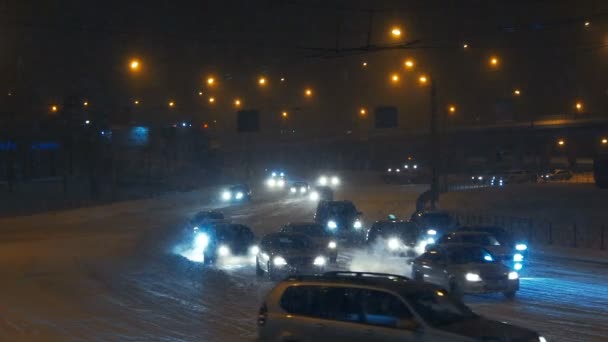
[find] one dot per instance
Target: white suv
(346, 306)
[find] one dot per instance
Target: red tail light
(262, 315)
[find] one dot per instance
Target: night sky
(51, 49)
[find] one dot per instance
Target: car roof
(390, 282)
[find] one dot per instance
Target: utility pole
(435, 144)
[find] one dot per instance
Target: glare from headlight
(335, 180)
(271, 183)
(390, 170)
(279, 261)
(517, 257)
(253, 250)
(521, 247)
(239, 195)
(518, 266)
(319, 261)
(415, 166)
(474, 277)
(322, 180)
(195, 228)
(430, 241)
(480, 178)
(331, 224)
(280, 183)
(201, 240)
(303, 190)
(541, 339)
(332, 245)
(393, 243)
(357, 224)
(293, 190)
(223, 251)
(431, 232)
(398, 170)
(226, 195)
(513, 275)
(282, 174)
(406, 166)
(314, 196)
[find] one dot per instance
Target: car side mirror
(409, 324)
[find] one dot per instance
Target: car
(341, 219)
(557, 175)
(395, 237)
(236, 194)
(465, 269)
(276, 180)
(323, 193)
(221, 240)
(435, 223)
(289, 253)
(504, 237)
(299, 188)
(319, 236)
(354, 306)
(504, 253)
(328, 180)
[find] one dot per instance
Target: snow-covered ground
(109, 273)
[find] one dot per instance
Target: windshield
(313, 230)
(437, 219)
(233, 232)
(469, 255)
(480, 239)
(288, 242)
(437, 308)
(343, 209)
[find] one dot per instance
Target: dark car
(236, 193)
(464, 269)
(402, 238)
(557, 175)
(434, 223)
(319, 236)
(289, 253)
(323, 193)
(222, 240)
(341, 219)
(299, 188)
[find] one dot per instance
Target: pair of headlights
(474, 277)
(279, 261)
(331, 224)
(227, 195)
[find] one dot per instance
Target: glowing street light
(516, 92)
(237, 103)
(452, 109)
(284, 114)
(54, 108)
(409, 63)
(134, 65)
(136, 102)
(394, 78)
(423, 79)
(396, 32)
(561, 142)
(200, 93)
(210, 81)
(308, 92)
(363, 112)
(465, 46)
(494, 61)
(364, 64)
(579, 106)
(282, 79)
(262, 81)
(604, 141)
(85, 103)
(587, 23)
(212, 100)
(171, 104)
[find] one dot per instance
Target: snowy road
(108, 273)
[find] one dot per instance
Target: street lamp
(54, 109)
(363, 112)
(494, 61)
(262, 81)
(308, 92)
(134, 65)
(85, 103)
(561, 142)
(210, 81)
(423, 79)
(579, 106)
(604, 141)
(409, 63)
(516, 92)
(200, 93)
(394, 78)
(465, 46)
(452, 109)
(211, 99)
(284, 114)
(171, 104)
(237, 103)
(396, 32)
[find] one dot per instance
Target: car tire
(258, 270)
(509, 294)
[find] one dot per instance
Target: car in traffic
(330, 180)
(321, 193)
(465, 269)
(236, 194)
(281, 254)
(434, 223)
(556, 175)
(299, 188)
(221, 240)
(504, 253)
(319, 236)
(276, 180)
(355, 306)
(341, 219)
(395, 237)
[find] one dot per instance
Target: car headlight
(195, 228)
(415, 166)
(239, 195)
(303, 190)
(331, 224)
(513, 275)
(472, 277)
(226, 195)
(430, 241)
(472, 177)
(390, 170)
(223, 251)
(254, 250)
(541, 339)
(332, 245)
(480, 178)
(319, 261)
(322, 180)
(521, 247)
(279, 261)
(406, 166)
(314, 196)
(393, 243)
(517, 257)
(201, 240)
(357, 224)
(271, 183)
(335, 180)
(397, 170)
(518, 266)
(431, 232)
(293, 190)
(274, 174)
(280, 183)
